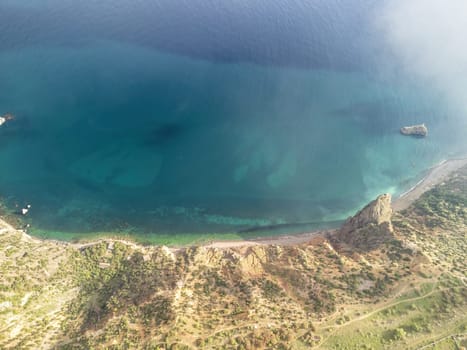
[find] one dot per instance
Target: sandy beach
(436, 175)
(283, 240)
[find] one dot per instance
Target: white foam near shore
(412, 188)
(436, 175)
(424, 178)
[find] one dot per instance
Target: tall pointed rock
(370, 226)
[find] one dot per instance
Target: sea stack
(370, 226)
(415, 130)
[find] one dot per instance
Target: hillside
(384, 281)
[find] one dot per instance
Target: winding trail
(378, 310)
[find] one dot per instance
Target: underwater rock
(25, 210)
(416, 130)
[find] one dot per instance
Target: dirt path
(385, 306)
(452, 336)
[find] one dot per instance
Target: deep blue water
(206, 116)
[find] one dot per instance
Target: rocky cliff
(370, 226)
(406, 292)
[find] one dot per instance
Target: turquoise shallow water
(120, 133)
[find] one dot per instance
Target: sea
(183, 119)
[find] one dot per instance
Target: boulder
(4, 118)
(416, 130)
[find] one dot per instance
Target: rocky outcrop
(370, 226)
(415, 130)
(102, 293)
(6, 117)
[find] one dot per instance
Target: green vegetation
(406, 291)
(144, 239)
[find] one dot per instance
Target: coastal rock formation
(415, 130)
(6, 117)
(376, 212)
(370, 225)
(109, 292)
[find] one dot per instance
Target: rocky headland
(370, 226)
(385, 280)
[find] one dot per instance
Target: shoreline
(435, 175)
(281, 240)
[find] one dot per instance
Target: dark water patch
(332, 34)
(291, 228)
(88, 186)
(163, 133)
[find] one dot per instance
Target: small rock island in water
(6, 117)
(415, 130)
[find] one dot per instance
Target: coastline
(282, 240)
(436, 175)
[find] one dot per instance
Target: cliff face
(112, 294)
(376, 212)
(109, 293)
(369, 226)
